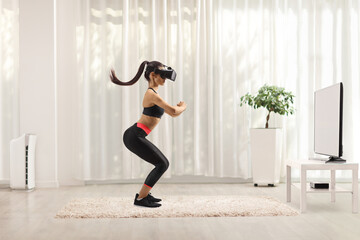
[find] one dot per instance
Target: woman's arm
(183, 106)
(173, 111)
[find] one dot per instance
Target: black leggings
(134, 139)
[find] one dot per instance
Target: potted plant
(266, 142)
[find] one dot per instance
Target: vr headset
(167, 72)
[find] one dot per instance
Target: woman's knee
(166, 164)
(163, 165)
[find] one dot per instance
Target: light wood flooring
(30, 215)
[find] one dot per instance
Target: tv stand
(305, 165)
(335, 160)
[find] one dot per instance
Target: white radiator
(22, 162)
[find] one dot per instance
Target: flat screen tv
(328, 122)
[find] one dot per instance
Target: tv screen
(328, 121)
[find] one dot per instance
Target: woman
(135, 136)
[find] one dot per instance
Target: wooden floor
(30, 215)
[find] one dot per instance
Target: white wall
(37, 96)
(48, 84)
(69, 170)
(48, 88)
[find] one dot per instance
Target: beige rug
(177, 206)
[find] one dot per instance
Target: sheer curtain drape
(220, 50)
(9, 58)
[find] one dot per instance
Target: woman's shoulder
(151, 93)
(151, 90)
(149, 97)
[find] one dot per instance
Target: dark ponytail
(151, 66)
(115, 80)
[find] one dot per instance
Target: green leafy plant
(274, 99)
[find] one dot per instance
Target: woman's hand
(181, 103)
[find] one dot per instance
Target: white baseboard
(38, 184)
(5, 183)
(46, 184)
(174, 179)
(72, 182)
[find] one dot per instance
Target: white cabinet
(266, 147)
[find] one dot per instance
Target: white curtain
(9, 59)
(220, 50)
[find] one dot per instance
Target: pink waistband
(143, 127)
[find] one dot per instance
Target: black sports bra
(154, 111)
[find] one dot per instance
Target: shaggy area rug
(177, 206)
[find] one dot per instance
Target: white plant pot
(266, 144)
